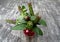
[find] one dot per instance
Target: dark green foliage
(38, 31)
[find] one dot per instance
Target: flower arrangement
(28, 21)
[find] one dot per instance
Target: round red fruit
(28, 32)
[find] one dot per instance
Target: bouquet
(28, 21)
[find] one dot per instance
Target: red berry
(28, 32)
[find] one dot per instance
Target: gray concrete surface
(48, 10)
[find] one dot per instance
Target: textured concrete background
(48, 10)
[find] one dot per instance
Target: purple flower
(14, 19)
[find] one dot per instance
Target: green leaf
(30, 9)
(42, 22)
(33, 18)
(24, 9)
(20, 20)
(38, 31)
(19, 27)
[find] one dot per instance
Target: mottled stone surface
(48, 10)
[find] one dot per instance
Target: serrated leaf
(42, 22)
(19, 27)
(38, 31)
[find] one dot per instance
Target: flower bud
(27, 18)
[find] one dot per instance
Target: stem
(30, 39)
